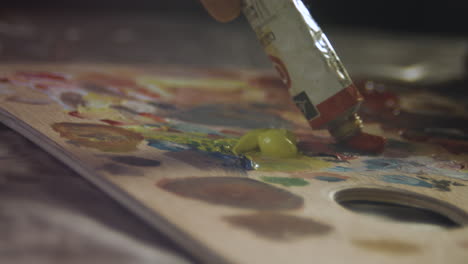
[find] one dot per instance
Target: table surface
(38, 195)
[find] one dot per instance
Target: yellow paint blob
(276, 143)
(297, 163)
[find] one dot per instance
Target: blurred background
(373, 38)
(415, 16)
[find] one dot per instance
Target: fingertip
(223, 10)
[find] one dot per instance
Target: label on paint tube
(304, 59)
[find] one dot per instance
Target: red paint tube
(308, 65)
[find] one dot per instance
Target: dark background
(447, 18)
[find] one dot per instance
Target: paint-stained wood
(158, 140)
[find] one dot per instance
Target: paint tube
(308, 65)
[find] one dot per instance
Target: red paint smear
(41, 86)
(110, 80)
(366, 143)
(231, 132)
(336, 105)
(75, 114)
(112, 122)
(214, 136)
(148, 93)
(41, 75)
(153, 117)
(315, 147)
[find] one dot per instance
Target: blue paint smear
(231, 161)
(167, 145)
(401, 179)
(329, 179)
(340, 169)
(390, 164)
(223, 160)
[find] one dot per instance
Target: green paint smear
(199, 141)
(260, 161)
(298, 163)
(288, 182)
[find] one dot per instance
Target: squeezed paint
(198, 141)
(298, 163)
(223, 147)
(278, 143)
(233, 192)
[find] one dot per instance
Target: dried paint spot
(278, 226)
(463, 244)
(54, 76)
(390, 247)
(72, 99)
(136, 161)
(401, 179)
(119, 170)
(288, 182)
(233, 191)
(330, 178)
(27, 100)
(112, 122)
(100, 137)
(441, 185)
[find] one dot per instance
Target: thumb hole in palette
(401, 206)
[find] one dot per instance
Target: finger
(223, 10)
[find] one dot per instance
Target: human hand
(223, 10)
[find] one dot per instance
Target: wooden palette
(155, 140)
